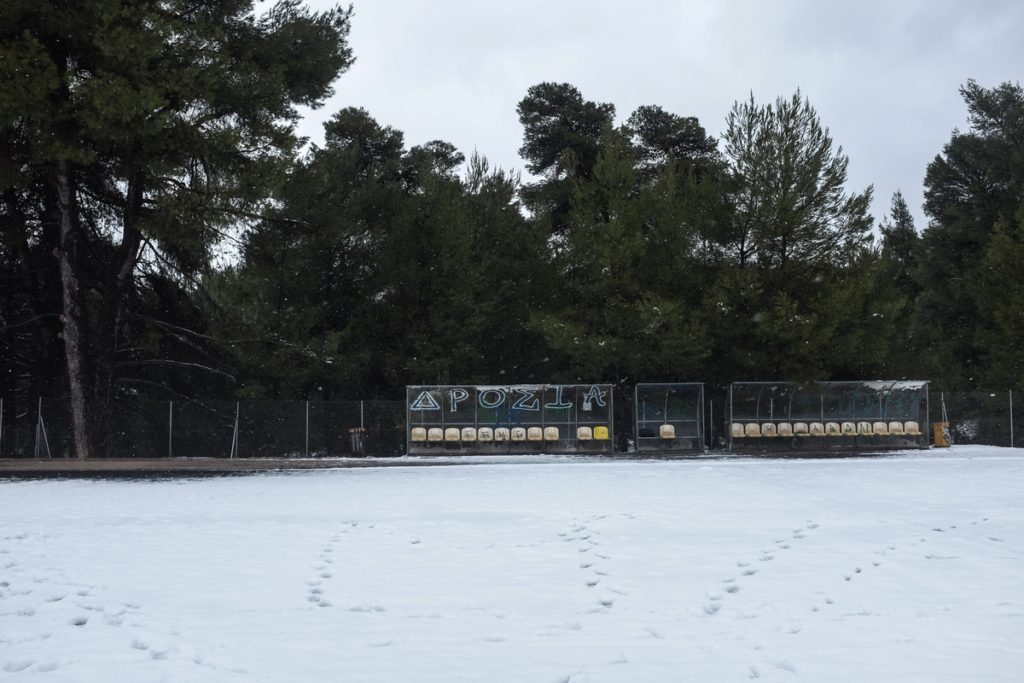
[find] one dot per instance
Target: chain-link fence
(219, 429)
(993, 418)
(41, 428)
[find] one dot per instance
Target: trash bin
(357, 437)
(940, 434)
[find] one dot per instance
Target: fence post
(307, 429)
(170, 427)
(41, 431)
(362, 421)
(1, 427)
(1011, 417)
(234, 436)
(39, 424)
(711, 425)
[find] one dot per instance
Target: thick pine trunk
(90, 349)
(75, 318)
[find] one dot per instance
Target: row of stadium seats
(786, 429)
(484, 434)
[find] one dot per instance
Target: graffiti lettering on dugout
(525, 398)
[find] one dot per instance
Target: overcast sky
(884, 76)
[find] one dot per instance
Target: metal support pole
(170, 427)
(307, 429)
(234, 437)
(1011, 418)
(711, 424)
(1, 427)
(39, 427)
(362, 422)
(41, 431)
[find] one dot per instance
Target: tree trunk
(75, 318)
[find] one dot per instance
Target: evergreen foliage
(139, 139)
(137, 134)
(974, 193)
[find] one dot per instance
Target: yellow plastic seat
(785, 429)
(864, 428)
(469, 434)
(419, 434)
(737, 430)
(833, 429)
(501, 434)
(534, 434)
(800, 429)
(817, 429)
(601, 433)
(912, 428)
(667, 431)
(880, 429)
(769, 429)
(518, 434)
(896, 429)
(752, 429)
(435, 434)
(551, 434)
(485, 434)
(849, 429)
(584, 433)
(452, 434)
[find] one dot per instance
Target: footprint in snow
(749, 572)
(79, 621)
(15, 665)
(369, 609)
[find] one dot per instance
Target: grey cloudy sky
(884, 76)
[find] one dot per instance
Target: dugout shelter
(828, 417)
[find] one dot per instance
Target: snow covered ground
(898, 568)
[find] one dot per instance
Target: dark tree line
(165, 234)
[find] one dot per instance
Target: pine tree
(974, 192)
(149, 127)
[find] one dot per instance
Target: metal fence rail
(217, 429)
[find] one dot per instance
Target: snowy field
(899, 568)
